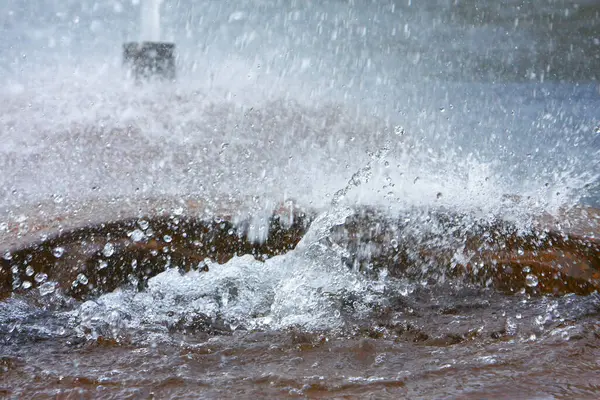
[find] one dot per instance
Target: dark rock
(96, 259)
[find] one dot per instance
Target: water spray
(150, 57)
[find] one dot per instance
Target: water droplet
(520, 252)
(7, 256)
(58, 252)
(29, 271)
(143, 224)
(40, 277)
(47, 288)
(394, 243)
(102, 264)
(133, 279)
(178, 211)
(82, 279)
(205, 265)
(167, 238)
(137, 235)
(531, 280)
(108, 250)
(26, 285)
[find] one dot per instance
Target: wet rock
(434, 247)
(423, 246)
(88, 261)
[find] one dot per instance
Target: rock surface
(550, 258)
(85, 261)
(555, 257)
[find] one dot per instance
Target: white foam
(305, 287)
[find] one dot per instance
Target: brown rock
(91, 260)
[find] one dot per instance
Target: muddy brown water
(478, 330)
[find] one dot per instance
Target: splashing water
(397, 107)
(304, 288)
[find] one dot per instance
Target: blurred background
(467, 40)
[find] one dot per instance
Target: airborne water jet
(150, 58)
